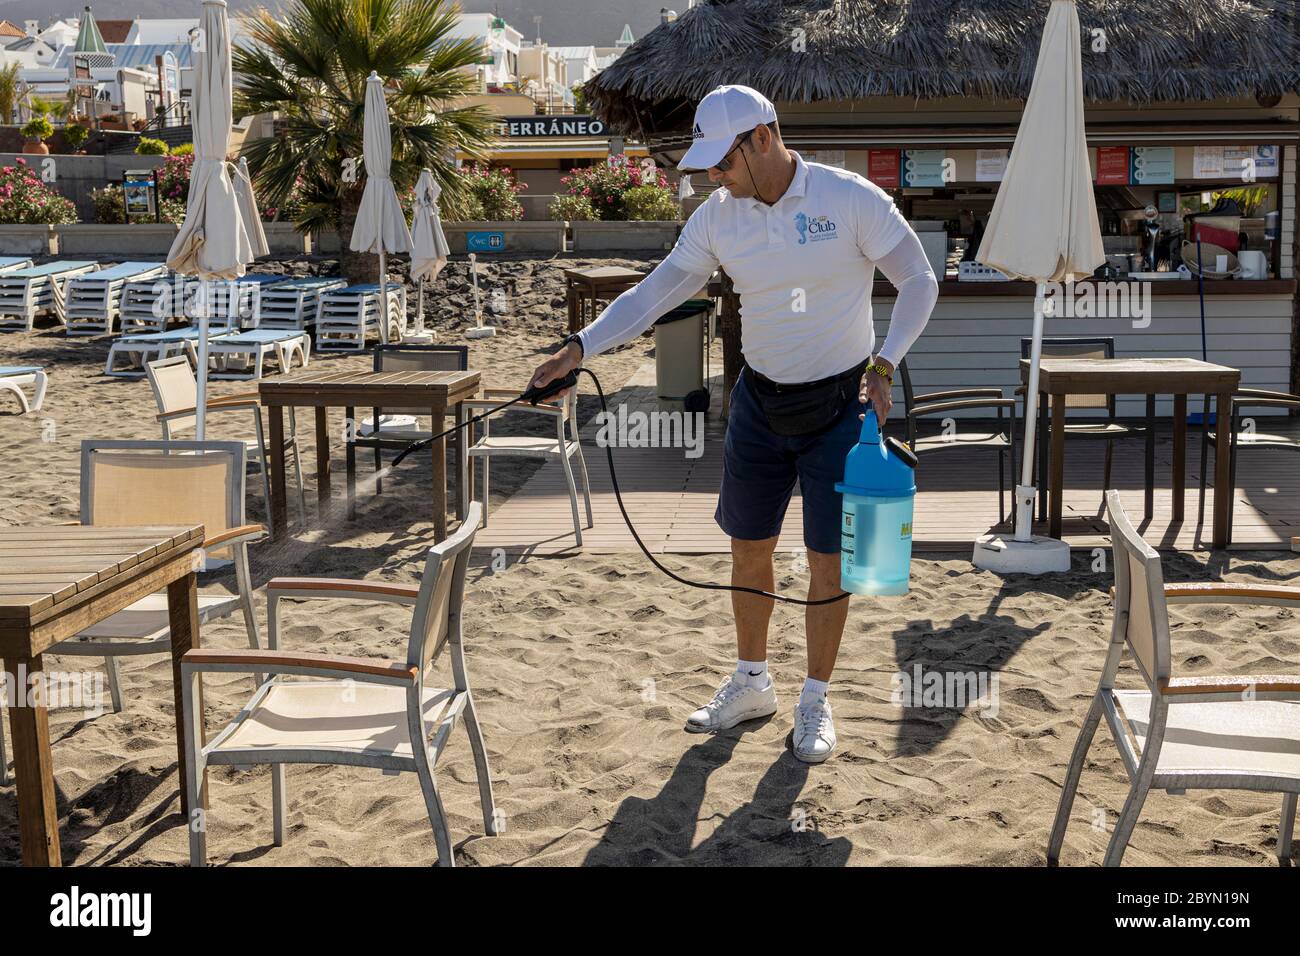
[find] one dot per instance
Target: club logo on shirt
(815, 228)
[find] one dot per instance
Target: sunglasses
(724, 164)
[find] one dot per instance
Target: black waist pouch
(805, 408)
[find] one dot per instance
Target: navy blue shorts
(759, 468)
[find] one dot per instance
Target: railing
(174, 111)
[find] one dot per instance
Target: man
(801, 242)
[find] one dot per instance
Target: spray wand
(536, 393)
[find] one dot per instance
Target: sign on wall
(552, 126)
(883, 168)
(485, 241)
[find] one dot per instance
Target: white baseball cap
(724, 114)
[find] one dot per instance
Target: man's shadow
(768, 830)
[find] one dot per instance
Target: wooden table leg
(1180, 455)
(1044, 437)
(1057, 482)
(1149, 465)
(322, 464)
(183, 621)
(1222, 479)
(38, 815)
(571, 301)
(439, 450)
(350, 420)
(279, 487)
(459, 457)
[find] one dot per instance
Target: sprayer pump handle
(537, 393)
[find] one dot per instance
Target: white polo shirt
(803, 267)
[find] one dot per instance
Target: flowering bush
(174, 179)
(288, 210)
(605, 184)
(571, 208)
(75, 135)
(25, 199)
(493, 193)
(38, 128)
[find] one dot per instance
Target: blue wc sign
(485, 241)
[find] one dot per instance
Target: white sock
(812, 690)
(753, 672)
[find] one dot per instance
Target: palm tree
(8, 92)
(309, 63)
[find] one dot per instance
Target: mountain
(564, 22)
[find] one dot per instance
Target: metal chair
(134, 483)
(398, 427)
(1245, 398)
(1109, 430)
(1001, 441)
(1180, 733)
(359, 712)
(176, 392)
(564, 446)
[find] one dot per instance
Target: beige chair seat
(514, 445)
(963, 439)
(330, 717)
(1250, 737)
(1259, 439)
(146, 619)
(1099, 430)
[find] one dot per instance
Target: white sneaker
(734, 703)
(814, 732)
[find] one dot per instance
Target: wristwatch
(882, 372)
(577, 339)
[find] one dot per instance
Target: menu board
(990, 165)
(1112, 166)
(1152, 166)
(883, 168)
(1233, 162)
(923, 167)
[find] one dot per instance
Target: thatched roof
(1156, 50)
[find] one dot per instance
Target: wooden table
(1179, 377)
(592, 285)
(437, 391)
(56, 581)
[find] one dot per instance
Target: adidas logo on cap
(698, 133)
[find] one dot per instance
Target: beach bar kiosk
(1189, 139)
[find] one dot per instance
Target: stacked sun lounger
(26, 293)
(91, 301)
(345, 316)
(292, 304)
(231, 303)
(128, 354)
(242, 354)
(151, 305)
(9, 263)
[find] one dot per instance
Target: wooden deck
(671, 497)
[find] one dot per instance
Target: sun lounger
(13, 377)
(91, 301)
(292, 304)
(9, 263)
(25, 293)
(242, 354)
(134, 351)
(345, 316)
(150, 305)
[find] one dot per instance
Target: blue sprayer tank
(879, 488)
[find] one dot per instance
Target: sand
(585, 667)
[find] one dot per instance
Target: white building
(581, 62)
(499, 67)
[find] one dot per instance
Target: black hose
(536, 394)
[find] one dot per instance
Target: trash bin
(679, 351)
